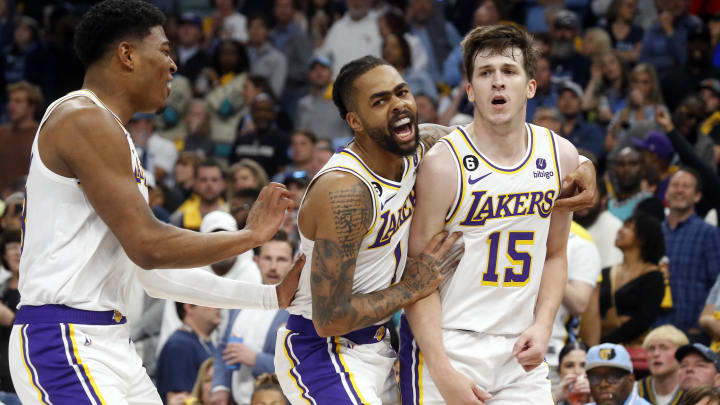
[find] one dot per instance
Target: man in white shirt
(354, 35)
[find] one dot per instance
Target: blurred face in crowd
(573, 363)
(677, 7)
(486, 14)
(611, 67)
(263, 114)
(244, 178)
(224, 6)
(249, 91)
(628, 170)
(301, 148)
(641, 82)
(320, 157)
(499, 86)
(427, 113)
(184, 171)
(297, 190)
(196, 116)
(688, 115)
(320, 75)
(228, 56)
(274, 261)
(209, 184)
(696, 371)
(627, 10)
(207, 386)
(626, 238)
(206, 318)
(240, 208)
(19, 107)
(12, 256)
(257, 32)
(682, 193)
(189, 34)
(358, 8)
(710, 99)
(140, 130)
(543, 74)
(545, 117)
(569, 104)
(268, 397)
(384, 109)
(392, 52)
(12, 218)
(610, 385)
(661, 357)
(284, 11)
(422, 10)
(23, 34)
(563, 44)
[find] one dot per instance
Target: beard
(384, 136)
(563, 49)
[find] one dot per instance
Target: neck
(624, 195)
(632, 258)
(24, 124)
(381, 161)
(199, 331)
(569, 124)
(13, 283)
(208, 207)
(506, 142)
(677, 216)
(666, 384)
(304, 165)
(110, 91)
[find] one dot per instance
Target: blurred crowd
(633, 84)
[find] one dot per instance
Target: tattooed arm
(337, 214)
(431, 133)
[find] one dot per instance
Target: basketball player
(87, 226)
(496, 181)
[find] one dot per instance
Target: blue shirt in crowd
(180, 360)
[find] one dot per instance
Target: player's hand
(456, 389)
(268, 212)
(220, 398)
(531, 346)
(287, 288)
(424, 273)
(235, 353)
(582, 181)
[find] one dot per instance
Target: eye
(508, 71)
(378, 103)
(484, 73)
(402, 93)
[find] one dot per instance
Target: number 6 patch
(470, 162)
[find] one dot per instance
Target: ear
(354, 121)
(126, 53)
(531, 88)
(698, 196)
(468, 91)
(256, 258)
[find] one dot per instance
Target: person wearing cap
(658, 153)
(265, 59)
(610, 373)
(699, 366)
(582, 134)
(316, 111)
(247, 347)
(566, 61)
(662, 386)
(192, 59)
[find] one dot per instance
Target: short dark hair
(404, 47)
(280, 236)
(259, 16)
(307, 134)
(649, 233)
(498, 39)
(180, 309)
(698, 179)
(243, 61)
(209, 163)
(342, 89)
(266, 382)
(111, 21)
(570, 346)
(7, 237)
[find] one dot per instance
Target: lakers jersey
(69, 255)
(504, 215)
(383, 251)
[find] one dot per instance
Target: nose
(173, 66)
(497, 81)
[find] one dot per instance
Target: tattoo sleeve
(431, 133)
(335, 308)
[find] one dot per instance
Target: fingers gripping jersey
(383, 252)
(504, 215)
(69, 255)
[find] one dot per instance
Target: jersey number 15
(514, 276)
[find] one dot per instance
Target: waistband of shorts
(364, 336)
(52, 313)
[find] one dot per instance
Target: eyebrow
(504, 65)
(385, 93)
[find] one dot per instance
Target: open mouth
(498, 101)
(402, 128)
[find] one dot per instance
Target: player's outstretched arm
(435, 190)
(531, 346)
(82, 140)
(342, 211)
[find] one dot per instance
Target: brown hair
(693, 396)
(34, 95)
(267, 381)
(498, 39)
(197, 391)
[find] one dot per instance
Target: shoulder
(337, 180)
(567, 154)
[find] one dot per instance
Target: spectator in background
(24, 57)
(10, 246)
(226, 79)
(11, 218)
(198, 129)
(393, 22)
(549, 118)
(664, 43)
(596, 41)
(323, 152)
(316, 111)
(185, 350)
(630, 293)
(171, 122)
(610, 373)
(546, 93)
(302, 145)
(25, 102)
(265, 60)
(658, 153)
(701, 396)
(606, 91)
(63, 70)
(294, 42)
(320, 15)
(254, 86)
(247, 349)
(699, 366)
(240, 204)
(268, 391)
(184, 176)
(192, 59)
(572, 375)
(354, 35)
(713, 25)
(628, 169)
(396, 51)
(582, 134)
(710, 316)
(427, 109)
(603, 226)
(227, 23)
(625, 35)
(709, 93)
(688, 117)
(200, 394)
(662, 386)
(157, 155)
(439, 37)
(692, 247)
(208, 188)
(247, 174)
(267, 144)
(566, 61)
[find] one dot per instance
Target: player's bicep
(435, 190)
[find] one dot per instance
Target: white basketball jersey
(69, 255)
(504, 215)
(383, 252)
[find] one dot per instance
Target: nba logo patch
(117, 316)
(606, 354)
(380, 334)
(540, 163)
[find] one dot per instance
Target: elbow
(145, 260)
